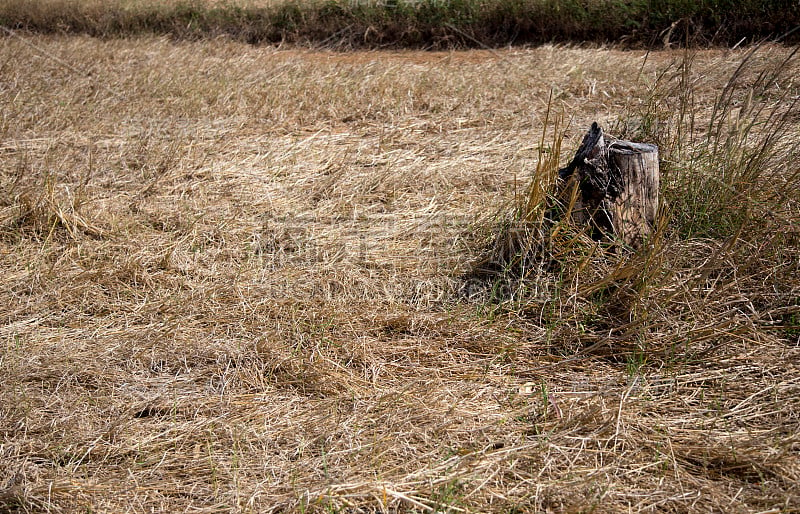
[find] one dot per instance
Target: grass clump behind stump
(725, 234)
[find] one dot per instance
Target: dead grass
(231, 282)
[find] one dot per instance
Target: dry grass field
(232, 281)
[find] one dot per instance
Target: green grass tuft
(727, 229)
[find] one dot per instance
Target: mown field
(233, 278)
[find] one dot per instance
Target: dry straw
(239, 288)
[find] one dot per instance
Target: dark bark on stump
(617, 185)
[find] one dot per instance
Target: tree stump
(617, 187)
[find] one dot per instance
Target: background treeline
(419, 23)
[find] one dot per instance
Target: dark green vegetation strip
(423, 23)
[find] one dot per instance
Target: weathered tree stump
(617, 187)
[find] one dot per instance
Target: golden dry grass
(230, 281)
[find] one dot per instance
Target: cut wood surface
(633, 211)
